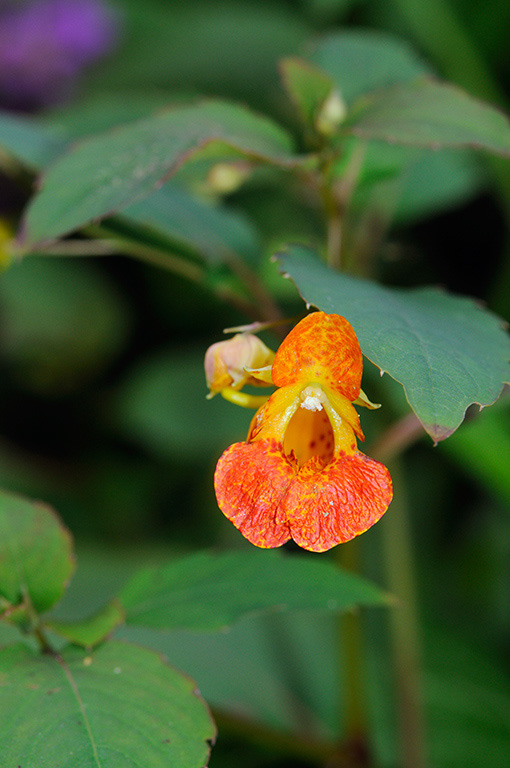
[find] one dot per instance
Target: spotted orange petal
(250, 481)
(321, 348)
(261, 492)
(325, 508)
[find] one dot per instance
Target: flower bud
(332, 114)
(224, 178)
(233, 363)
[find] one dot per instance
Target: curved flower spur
(300, 474)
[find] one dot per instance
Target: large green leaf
(120, 706)
(363, 61)
(215, 233)
(430, 114)
(445, 350)
(36, 555)
(107, 172)
(207, 591)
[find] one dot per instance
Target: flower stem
(398, 560)
(399, 436)
(399, 567)
(336, 196)
(42, 640)
(261, 307)
(290, 745)
(34, 626)
(351, 663)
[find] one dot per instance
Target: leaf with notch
(445, 350)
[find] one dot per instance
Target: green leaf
(423, 181)
(106, 173)
(446, 351)
(365, 61)
(27, 142)
(120, 706)
(36, 554)
(213, 232)
(438, 180)
(207, 591)
(98, 112)
(93, 630)
(307, 86)
(430, 114)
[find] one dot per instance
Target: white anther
(311, 403)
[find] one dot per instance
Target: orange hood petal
(324, 349)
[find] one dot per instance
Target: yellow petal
(363, 400)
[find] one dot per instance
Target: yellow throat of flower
(310, 421)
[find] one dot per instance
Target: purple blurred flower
(45, 43)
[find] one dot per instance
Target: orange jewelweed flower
(299, 474)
